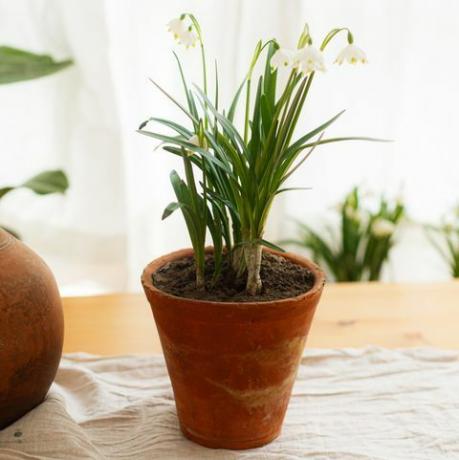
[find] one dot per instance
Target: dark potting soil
(280, 277)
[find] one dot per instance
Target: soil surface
(280, 277)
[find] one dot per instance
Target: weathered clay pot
(31, 329)
(232, 365)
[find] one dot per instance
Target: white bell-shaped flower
(353, 214)
(351, 54)
(282, 58)
(309, 59)
(382, 228)
(177, 27)
(188, 38)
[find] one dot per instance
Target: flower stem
(247, 109)
(204, 77)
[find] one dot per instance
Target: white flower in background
(448, 229)
(177, 27)
(448, 224)
(353, 214)
(282, 58)
(382, 228)
(351, 54)
(309, 59)
(188, 38)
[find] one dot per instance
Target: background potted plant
(31, 318)
(359, 248)
(445, 239)
(233, 319)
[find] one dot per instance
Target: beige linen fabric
(347, 404)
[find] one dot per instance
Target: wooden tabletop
(349, 315)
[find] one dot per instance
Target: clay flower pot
(31, 329)
(232, 365)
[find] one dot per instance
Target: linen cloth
(371, 403)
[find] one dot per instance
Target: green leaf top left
(20, 65)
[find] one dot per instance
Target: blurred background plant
(18, 65)
(359, 248)
(445, 239)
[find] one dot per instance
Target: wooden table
(349, 315)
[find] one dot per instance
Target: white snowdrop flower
(351, 54)
(177, 27)
(188, 38)
(449, 223)
(282, 58)
(353, 214)
(382, 228)
(448, 228)
(309, 59)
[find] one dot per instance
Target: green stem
(329, 37)
(204, 77)
(247, 110)
(199, 251)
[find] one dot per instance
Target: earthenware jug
(31, 329)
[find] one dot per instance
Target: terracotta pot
(31, 329)
(232, 365)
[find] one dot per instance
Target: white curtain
(100, 235)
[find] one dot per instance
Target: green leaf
(180, 106)
(233, 106)
(48, 182)
(187, 145)
(290, 189)
(5, 190)
(315, 131)
(19, 65)
(11, 232)
(170, 124)
(170, 208)
(270, 245)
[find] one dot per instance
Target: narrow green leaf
(170, 208)
(5, 190)
(270, 245)
(11, 232)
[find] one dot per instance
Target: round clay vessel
(232, 365)
(31, 329)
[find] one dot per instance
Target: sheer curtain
(100, 235)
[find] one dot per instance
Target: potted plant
(359, 248)
(445, 239)
(233, 318)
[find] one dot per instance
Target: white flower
(177, 27)
(351, 54)
(188, 38)
(382, 228)
(448, 224)
(309, 59)
(448, 228)
(282, 58)
(353, 214)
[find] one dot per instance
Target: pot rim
(152, 267)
